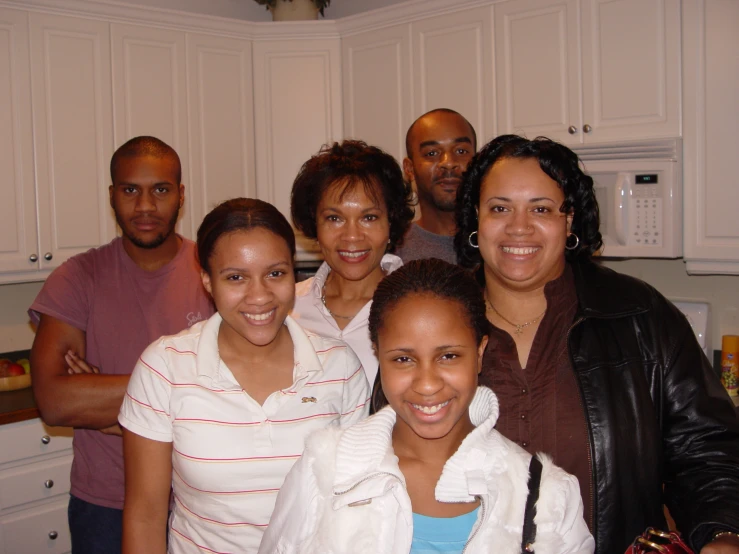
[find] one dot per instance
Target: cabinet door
(377, 87)
(631, 69)
(453, 66)
(222, 123)
(40, 530)
(18, 231)
(710, 144)
(537, 60)
(297, 108)
(70, 61)
(150, 93)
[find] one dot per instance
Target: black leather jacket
(656, 414)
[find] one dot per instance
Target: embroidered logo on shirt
(193, 318)
(307, 399)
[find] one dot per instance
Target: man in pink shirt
(96, 314)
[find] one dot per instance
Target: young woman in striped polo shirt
(220, 411)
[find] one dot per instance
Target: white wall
(670, 278)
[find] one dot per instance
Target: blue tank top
(441, 535)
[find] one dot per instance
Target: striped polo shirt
(230, 455)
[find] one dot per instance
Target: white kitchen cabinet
(62, 209)
(711, 119)
(18, 223)
(377, 87)
(221, 120)
(297, 109)
(453, 66)
(35, 464)
(150, 93)
(588, 70)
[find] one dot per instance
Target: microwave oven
(638, 186)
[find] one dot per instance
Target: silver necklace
(323, 300)
(518, 328)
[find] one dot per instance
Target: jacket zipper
(482, 521)
(587, 432)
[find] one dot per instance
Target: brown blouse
(540, 406)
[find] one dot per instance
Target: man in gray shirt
(439, 144)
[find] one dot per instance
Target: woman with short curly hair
(592, 367)
(351, 199)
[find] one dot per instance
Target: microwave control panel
(645, 204)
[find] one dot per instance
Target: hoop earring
(469, 240)
(574, 246)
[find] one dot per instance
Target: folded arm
(79, 399)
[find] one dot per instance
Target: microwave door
(640, 204)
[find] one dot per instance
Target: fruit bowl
(15, 382)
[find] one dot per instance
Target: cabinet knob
(33, 258)
(48, 256)
(587, 128)
(49, 483)
(572, 129)
(53, 535)
(46, 439)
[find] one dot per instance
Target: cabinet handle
(53, 535)
(46, 439)
(33, 258)
(48, 256)
(49, 483)
(587, 128)
(572, 129)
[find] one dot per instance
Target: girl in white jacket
(427, 473)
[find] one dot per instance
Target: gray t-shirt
(420, 244)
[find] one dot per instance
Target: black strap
(529, 527)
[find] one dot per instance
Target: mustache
(448, 174)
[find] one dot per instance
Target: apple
(25, 363)
(9, 368)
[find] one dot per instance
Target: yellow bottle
(730, 364)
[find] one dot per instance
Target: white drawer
(27, 439)
(31, 531)
(33, 482)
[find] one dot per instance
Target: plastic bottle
(730, 364)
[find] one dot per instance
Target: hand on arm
(148, 476)
(80, 398)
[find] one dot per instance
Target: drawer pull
(49, 483)
(46, 439)
(53, 535)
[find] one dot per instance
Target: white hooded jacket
(347, 494)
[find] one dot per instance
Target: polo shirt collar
(389, 263)
(306, 361)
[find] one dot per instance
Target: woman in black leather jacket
(593, 367)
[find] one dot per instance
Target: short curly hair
(556, 160)
(350, 163)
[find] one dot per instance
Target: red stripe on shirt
(330, 381)
(216, 522)
(255, 491)
(251, 459)
(171, 348)
(330, 349)
(145, 405)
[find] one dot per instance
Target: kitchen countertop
(17, 405)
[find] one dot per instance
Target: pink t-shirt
(122, 309)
